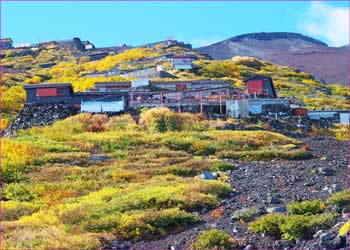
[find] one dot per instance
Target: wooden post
(179, 102)
(132, 99)
(220, 103)
(201, 102)
(161, 97)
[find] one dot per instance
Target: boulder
(325, 240)
(207, 176)
(325, 171)
(273, 199)
(244, 214)
(338, 242)
(318, 234)
(272, 210)
(249, 247)
(99, 158)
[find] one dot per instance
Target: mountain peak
(267, 36)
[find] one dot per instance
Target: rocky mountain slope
(328, 64)
(267, 185)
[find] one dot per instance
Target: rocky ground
(39, 114)
(269, 185)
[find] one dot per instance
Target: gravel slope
(258, 185)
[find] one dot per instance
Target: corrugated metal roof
(111, 93)
(257, 76)
(47, 85)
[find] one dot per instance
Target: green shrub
(43, 142)
(166, 153)
(114, 145)
(340, 199)
(321, 221)
(306, 207)
(294, 227)
(223, 166)
(176, 143)
(268, 224)
(13, 210)
(161, 119)
(72, 214)
(214, 187)
(213, 239)
(107, 223)
(191, 145)
(297, 226)
(264, 154)
(122, 122)
(20, 192)
(190, 168)
(145, 224)
(200, 147)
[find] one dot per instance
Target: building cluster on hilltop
(216, 97)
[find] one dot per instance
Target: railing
(179, 98)
(258, 91)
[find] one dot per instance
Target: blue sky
(200, 23)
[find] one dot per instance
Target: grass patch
(340, 199)
(264, 154)
(147, 189)
(214, 239)
(306, 207)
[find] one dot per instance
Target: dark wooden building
(44, 93)
(87, 101)
(97, 56)
(6, 43)
(260, 85)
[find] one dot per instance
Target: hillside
(169, 180)
(98, 182)
(327, 64)
(22, 66)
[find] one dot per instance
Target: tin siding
(99, 107)
(344, 118)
